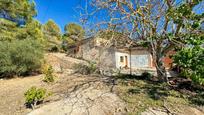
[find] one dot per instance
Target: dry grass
(142, 94)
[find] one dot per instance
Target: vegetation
(141, 95)
(160, 25)
(74, 33)
(52, 35)
(31, 30)
(21, 46)
(8, 29)
(191, 62)
(48, 72)
(20, 57)
(11, 31)
(35, 96)
(143, 76)
(20, 11)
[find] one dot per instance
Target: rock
(88, 100)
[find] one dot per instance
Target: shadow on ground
(160, 91)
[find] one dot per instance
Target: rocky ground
(90, 98)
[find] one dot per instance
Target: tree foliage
(32, 30)
(190, 59)
(51, 29)
(17, 10)
(52, 35)
(8, 30)
(74, 33)
(16, 20)
(22, 38)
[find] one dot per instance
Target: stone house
(112, 54)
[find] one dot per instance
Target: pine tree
(52, 35)
(20, 11)
(74, 31)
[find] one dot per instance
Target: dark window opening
(121, 59)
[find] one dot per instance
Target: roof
(119, 42)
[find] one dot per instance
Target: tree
(51, 29)
(52, 35)
(8, 30)
(21, 51)
(32, 30)
(74, 33)
(161, 24)
(20, 11)
(17, 20)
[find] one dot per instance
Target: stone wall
(107, 57)
(103, 57)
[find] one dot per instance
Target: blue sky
(61, 11)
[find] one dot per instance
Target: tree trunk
(161, 71)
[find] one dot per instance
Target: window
(121, 59)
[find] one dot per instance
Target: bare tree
(162, 24)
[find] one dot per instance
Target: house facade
(118, 57)
(135, 58)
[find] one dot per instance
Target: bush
(198, 99)
(191, 62)
(85, 69)
(146, 76)
(20, 57)
(48, 71)
(34, 96)
(54, 49)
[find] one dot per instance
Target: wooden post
(130, 61)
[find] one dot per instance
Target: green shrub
(20, 57)
(49, 76)
(191, 62)
(198, 99)
(93, 68)
(127, 76)
(34, 96)
(146, 76)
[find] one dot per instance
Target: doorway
(126, 61)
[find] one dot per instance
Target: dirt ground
(12, 94)
(66, 87)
